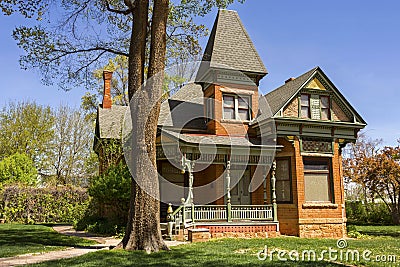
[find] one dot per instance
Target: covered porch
(244, 197)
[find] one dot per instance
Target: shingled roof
(280, 96)
(230, 46)
(110, 122)
(185, 109)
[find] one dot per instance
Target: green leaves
(18, 168)
(26, 128)
(27, 8)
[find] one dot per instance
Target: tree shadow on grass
(27, 236)
(381, 232)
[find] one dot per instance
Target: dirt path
(104, 243)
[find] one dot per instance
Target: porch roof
(216, 140)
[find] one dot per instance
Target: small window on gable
(236, 107)
(315, 107)
(305, 106)
(325, 108)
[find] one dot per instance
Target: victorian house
(234, 161)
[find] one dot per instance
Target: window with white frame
(236, 107)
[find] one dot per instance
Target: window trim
(308, 107)
(328, 160)
(236, 107)
(310, 110)
(328, 108)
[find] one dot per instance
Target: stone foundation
(322, 230)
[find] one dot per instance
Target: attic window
(305, 106)
(236, 107)
(315, 107)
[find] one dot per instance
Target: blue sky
(356, 43)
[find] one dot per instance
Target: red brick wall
(234, 128)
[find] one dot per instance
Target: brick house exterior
(241, 151)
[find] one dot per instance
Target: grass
(390, 231)
(17, 239)
(243, 252)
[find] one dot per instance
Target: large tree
(92, 30)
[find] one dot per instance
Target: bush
(61, 204)
(17, 168)
(110, 194)
(371, 213)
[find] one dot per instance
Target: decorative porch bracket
(188, 165)
(273, 189)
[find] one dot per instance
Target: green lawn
(391, 231)
(17, 239)
(243, 252)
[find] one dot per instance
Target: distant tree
(377, 171)
(71, 146)
(27, 128)
(17, 168)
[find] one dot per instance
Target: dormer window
(236, 107)
(315, 107)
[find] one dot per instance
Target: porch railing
(213, 213)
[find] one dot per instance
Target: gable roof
(280, 97)
(230, 46)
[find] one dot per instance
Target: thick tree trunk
(143, 230)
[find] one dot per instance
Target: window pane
(305, 112)
(283, 183)
(229, 101)
(316, 187)
(243, 114)
(243, 102)
(229, 113)
(305, 101)
(282, 170)
(325, 114)
(310, 165)
(283, 191)
(324, 102)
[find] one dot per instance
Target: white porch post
(273, 189)
(188, 165)
(228, 191)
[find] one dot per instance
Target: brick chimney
(290, 79)
(107, 75)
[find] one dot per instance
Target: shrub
(43, 205)
(110, 194)
(371, 213)
(17, 168)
